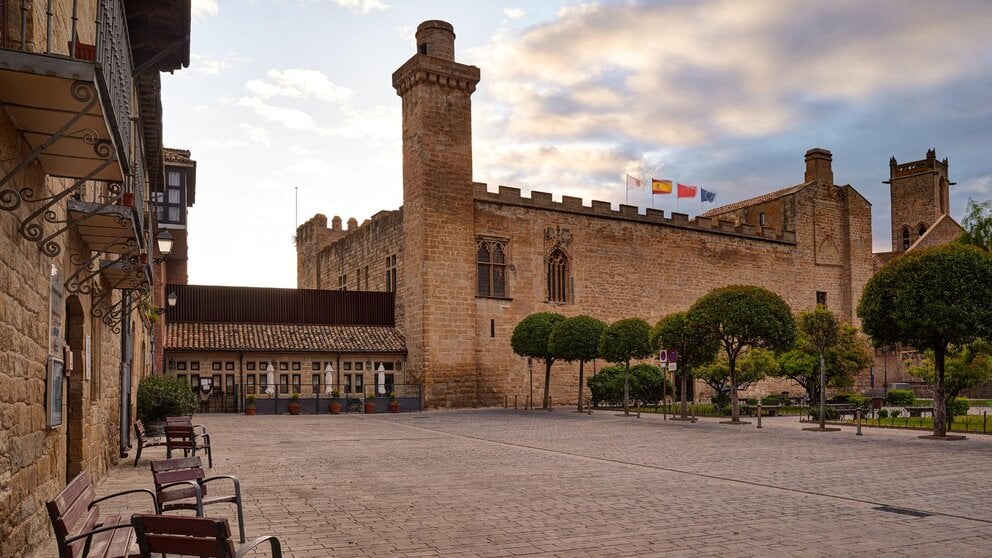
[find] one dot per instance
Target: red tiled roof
(755, 201)
(199, 336)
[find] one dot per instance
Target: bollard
(857, 416)
(549, 404)
(985, 416)
(514, 401)
(759, 413)
(506, 401)
(638, 409)
(589, 408)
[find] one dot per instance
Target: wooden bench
(192, 536)
(181, 484)
(919, 411)
(145, 440)
(80, 531)
(183, 436)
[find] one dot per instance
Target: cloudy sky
(288, 100)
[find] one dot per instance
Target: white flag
(634, 183)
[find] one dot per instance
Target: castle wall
(630, 265)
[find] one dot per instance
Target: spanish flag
(661, 186)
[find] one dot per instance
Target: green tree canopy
(624, 341)
(577, 339)
(530, 338)
(843, 361)
(647, 384)
(691, 342)
(739, 317)
(964, 368)
(977, 224)
(930, 299)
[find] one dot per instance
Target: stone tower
(919, 196)
(437, 282)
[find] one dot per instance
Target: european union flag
(706, 196)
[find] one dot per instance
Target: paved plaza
(532, 483)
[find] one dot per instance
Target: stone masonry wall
(629, 265)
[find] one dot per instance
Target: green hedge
(900, 398)
(161, 396)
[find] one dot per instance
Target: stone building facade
(80, 153)
(473, 262)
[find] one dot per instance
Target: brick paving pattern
(482, 483)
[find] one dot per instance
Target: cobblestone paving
(496, 482)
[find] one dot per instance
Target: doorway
(74, 337)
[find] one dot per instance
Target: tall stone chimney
(818, 166)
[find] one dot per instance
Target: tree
(530, 339)
(739, 317)
(977, 224)
(821, 331)
(964, 368)
(577, 339)
(693, 346)
(849, 356)
(716, 374)
(929, 300)
(647, 384)
(623, 341)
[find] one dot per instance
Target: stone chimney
(818, 169)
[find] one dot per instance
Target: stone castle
(467, 264)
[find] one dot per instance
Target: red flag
(686, 191)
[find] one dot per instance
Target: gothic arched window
(558, 277)
(490, 259)
(921, 229)
(905, 238)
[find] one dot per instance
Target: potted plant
(335, 406)
(394, 405)
(370, 403)
(294, 404)
(250, 407)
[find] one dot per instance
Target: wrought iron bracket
(10, 199)
(81, 280)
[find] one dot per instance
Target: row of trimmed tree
(938, 301)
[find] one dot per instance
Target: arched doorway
(74, 337)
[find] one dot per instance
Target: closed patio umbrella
(381, 380)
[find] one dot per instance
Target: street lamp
(172, 299)
(165, 243)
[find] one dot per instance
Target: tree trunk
(735, 409)
(685, 406)
(823, 394)
(581, 362)
(939, 398)
(547, 381)
(626, 388)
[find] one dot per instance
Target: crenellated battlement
(569, 204)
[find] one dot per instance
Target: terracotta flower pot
(126, 199)
(394, 406)
(294, 408)
(335, 408)
(250, 411)
(370, 408)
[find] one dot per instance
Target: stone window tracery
(558, 277)
(491, 266)
(905, 238)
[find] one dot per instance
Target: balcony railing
(112, 52)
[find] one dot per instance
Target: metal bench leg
(137, 455)
(241, 512)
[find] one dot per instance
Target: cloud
(290, 118)
(362, 6)
(977, 185)
(318, 168)
(257, 134)
(513, 13)
(298, 83)
(213, 65)
(202, 9)
(729, 92)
